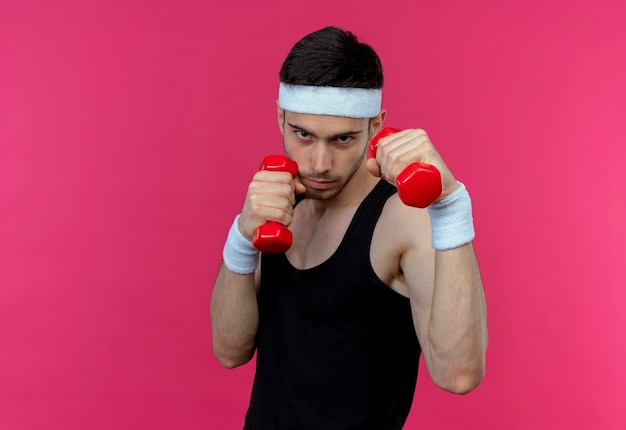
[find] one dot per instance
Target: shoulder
(409, 225)
(402, 236)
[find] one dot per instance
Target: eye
(302, 135)
(344, 139)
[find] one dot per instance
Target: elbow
(458, 373)
(230, 363)
(462, 383)
(231, 360)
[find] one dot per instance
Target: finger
(409, 139)
(373, 167)
(272, 176)
(268, 206)
(412, 146)
(299, 187)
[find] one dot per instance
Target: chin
(321, 195)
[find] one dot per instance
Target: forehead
(326, 124)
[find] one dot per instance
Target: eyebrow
(334, 136)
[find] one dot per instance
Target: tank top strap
(366, 217)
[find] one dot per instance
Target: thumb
(300, 188)
(373, 167)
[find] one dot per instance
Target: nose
(321, 160)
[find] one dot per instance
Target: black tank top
(336, 348)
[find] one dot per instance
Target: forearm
(234, 317)
(457, 330)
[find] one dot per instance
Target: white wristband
(240, 256)
(451, 220)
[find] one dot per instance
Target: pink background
(129, 131)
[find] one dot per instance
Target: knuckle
(429, 151)
(255, 205)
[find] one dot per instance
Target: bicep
(418, 267)
(406, 259)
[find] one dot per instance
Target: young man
(338, 321)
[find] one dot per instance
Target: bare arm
(445, 287)
(234, 306)
(450, 315)
(234, 317)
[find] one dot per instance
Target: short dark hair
(335, 58)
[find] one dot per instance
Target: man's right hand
(270, 197)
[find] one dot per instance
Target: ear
(280, 113)
(377, 123)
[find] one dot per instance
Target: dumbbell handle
(419, 184)
(273, 237)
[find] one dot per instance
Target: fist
(409, 160)
(270, 196)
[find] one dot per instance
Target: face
(329, 150)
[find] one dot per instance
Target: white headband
(335, 101)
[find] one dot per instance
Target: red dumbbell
(273, 237)
(418, 184)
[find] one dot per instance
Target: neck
(355, 190)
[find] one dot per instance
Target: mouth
(319, 184)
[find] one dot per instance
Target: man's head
(329, 106)
(329, 72)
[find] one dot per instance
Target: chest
(316, 238)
